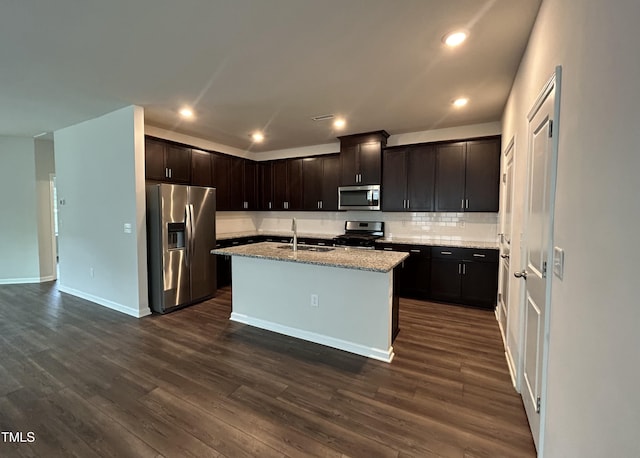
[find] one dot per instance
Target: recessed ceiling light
(339, 123)
(257, 137)
(460, 102)
(454, 39)
(186, 112)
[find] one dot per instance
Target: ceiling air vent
(323, 117)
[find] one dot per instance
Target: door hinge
(544, 269)
(504, 177)
(538, 404)
(550, 128)
(499, 298)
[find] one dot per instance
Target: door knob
(522, 274)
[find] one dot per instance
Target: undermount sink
(319, 249)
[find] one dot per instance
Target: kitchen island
(339, 297)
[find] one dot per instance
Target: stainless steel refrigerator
(181, 232)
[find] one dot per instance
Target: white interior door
(505, 248)
(537, 247)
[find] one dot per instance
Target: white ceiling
(258, 64)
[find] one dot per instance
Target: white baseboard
(21, 281)
(512, 367)
(105, 302)
(362, 350)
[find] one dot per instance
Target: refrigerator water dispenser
(175, 236)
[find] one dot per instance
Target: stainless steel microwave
(359, 197)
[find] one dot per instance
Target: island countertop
(349, 258)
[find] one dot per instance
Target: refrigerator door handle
(189, 229)
(192, 241)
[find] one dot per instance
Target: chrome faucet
(294, 228)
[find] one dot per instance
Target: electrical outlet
(315, 302)
(127, 228)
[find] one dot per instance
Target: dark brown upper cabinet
(287, 184)
(201, 168)
(265, 185)
(482, 178)
(408, 179)
(361, 158)
(320, 178)
(468, 176)
(250, 188)
(221, 173)
(167, 162)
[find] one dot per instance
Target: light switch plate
(127, 228)
(558, 262)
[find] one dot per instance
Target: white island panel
(354, 311)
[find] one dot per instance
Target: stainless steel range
(361, 234)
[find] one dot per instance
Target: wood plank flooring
(88, 381)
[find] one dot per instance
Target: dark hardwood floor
(88, 381)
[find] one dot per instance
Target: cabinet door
(421, 172)
(221, 171)
(394, 179)
(370, 160)
(416, 280)
(450, 174)
(236, 183)
(482, 191)
(349, 165)
(265, 185)
(480, 283)
(294, 182)
(201, 168)
(279, 184)
(445, 279)
(330, 182)
(312, 183)
(250, 185)
(178, 161)
(154, 167)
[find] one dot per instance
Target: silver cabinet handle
(269, 205)
(387, 248)
(446, 252)
(414, 251)
(170, 174)
(459, 269)
(464, 269)
(321, 205)
(462, 203)
(476, 255)
(522, 274)
(356, 177)
(466, 203)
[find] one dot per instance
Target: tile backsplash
(428, 225)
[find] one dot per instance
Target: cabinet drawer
(480, 255)
(447, 252)
(414, 250)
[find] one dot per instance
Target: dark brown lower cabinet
(413, 275)
(465, 276)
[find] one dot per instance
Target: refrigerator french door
(180, 236)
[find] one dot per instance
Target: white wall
(592, 399)
(45, 167)
(100, 176)
(19, 259)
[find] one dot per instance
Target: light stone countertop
(429, 241)
(438, 242)
(349, 258)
